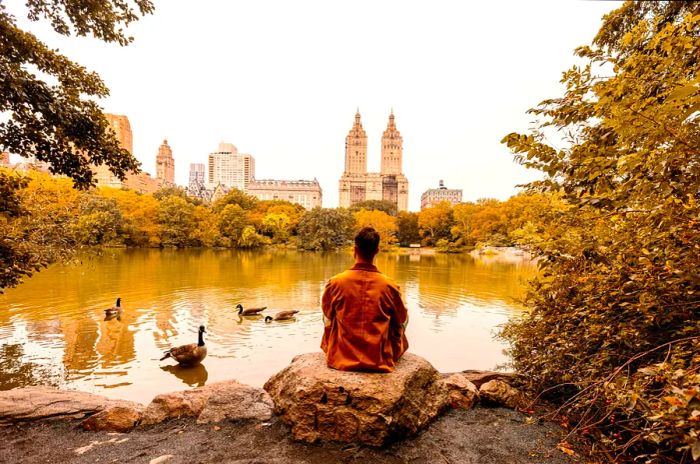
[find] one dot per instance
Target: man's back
(365, 317)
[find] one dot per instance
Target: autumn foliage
(613, 330)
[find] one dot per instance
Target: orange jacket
(365, 320)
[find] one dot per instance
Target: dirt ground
(480, 435)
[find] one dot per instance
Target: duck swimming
(114, 310)
(249, 311)
(282, 316)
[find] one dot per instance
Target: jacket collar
(364, 267)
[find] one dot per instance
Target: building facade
(165, 165)
(230, 168)
(357, 185)
(306, 193)
(142, 182)
(433, 196)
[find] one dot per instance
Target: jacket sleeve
(326, 304)
(400, 312)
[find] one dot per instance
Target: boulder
(48, 403)
(211, 403)
(479, 378)
(320, 403)
(113, 419)
(463, 393)
(234, 401)
(500, 393)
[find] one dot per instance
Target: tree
(53, 121)
(232, 220)
(613, 326)
(100, 221)
(325, 229)
(46, 114)
(389, 207)
(175, 191)
(435, 222)
(37, 215)
(139, 216)
(381, 222)
(236, 197)
(278, 226)
(407, 228)
(177, 222)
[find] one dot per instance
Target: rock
(114, 419)
(48, 403)
(463, 393)
(500, 393)
(187, 403)
(479, 378)
(163, 458)
(320, 403)
(234, 401)
(211, 403)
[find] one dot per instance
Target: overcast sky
(281, 80)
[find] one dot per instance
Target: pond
(53, 329)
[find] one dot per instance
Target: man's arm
(326, 306)
(400, 311)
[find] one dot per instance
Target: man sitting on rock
(364, 315)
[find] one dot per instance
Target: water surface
(52, 327)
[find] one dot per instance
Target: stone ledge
(49, 403)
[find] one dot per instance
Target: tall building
(433, 196)
(142, 182)
(165, 165)
(196, 185)
(197, 173)
(307, 193)
(357, 185)
(230, 168)
(122, 128)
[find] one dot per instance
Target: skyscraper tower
(392, 148)
(356, 148)
(357, 185)
(165, 165)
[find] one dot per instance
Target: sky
(282, 80)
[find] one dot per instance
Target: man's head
(366, 244)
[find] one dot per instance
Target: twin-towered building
(357, 185)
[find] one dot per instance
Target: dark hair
(367, 243)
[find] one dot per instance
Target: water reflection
(53, 327)
(195, 376)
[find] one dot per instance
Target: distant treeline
(51, 218)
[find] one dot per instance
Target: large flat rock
(228, 400)
(48, 403)
(320, 403)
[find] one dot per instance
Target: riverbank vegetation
(46, 217)
(613, 330)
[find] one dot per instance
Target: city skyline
(280, 86)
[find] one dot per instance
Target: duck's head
(201, 329)
(239, 307)
(268, 318)
(119, 302)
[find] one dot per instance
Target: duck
(114, 310)
(189, 355)
(249, 311)
(282, 316)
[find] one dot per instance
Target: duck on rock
(282, 316)
(249, 311)
(189, 355)
(114, 310)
